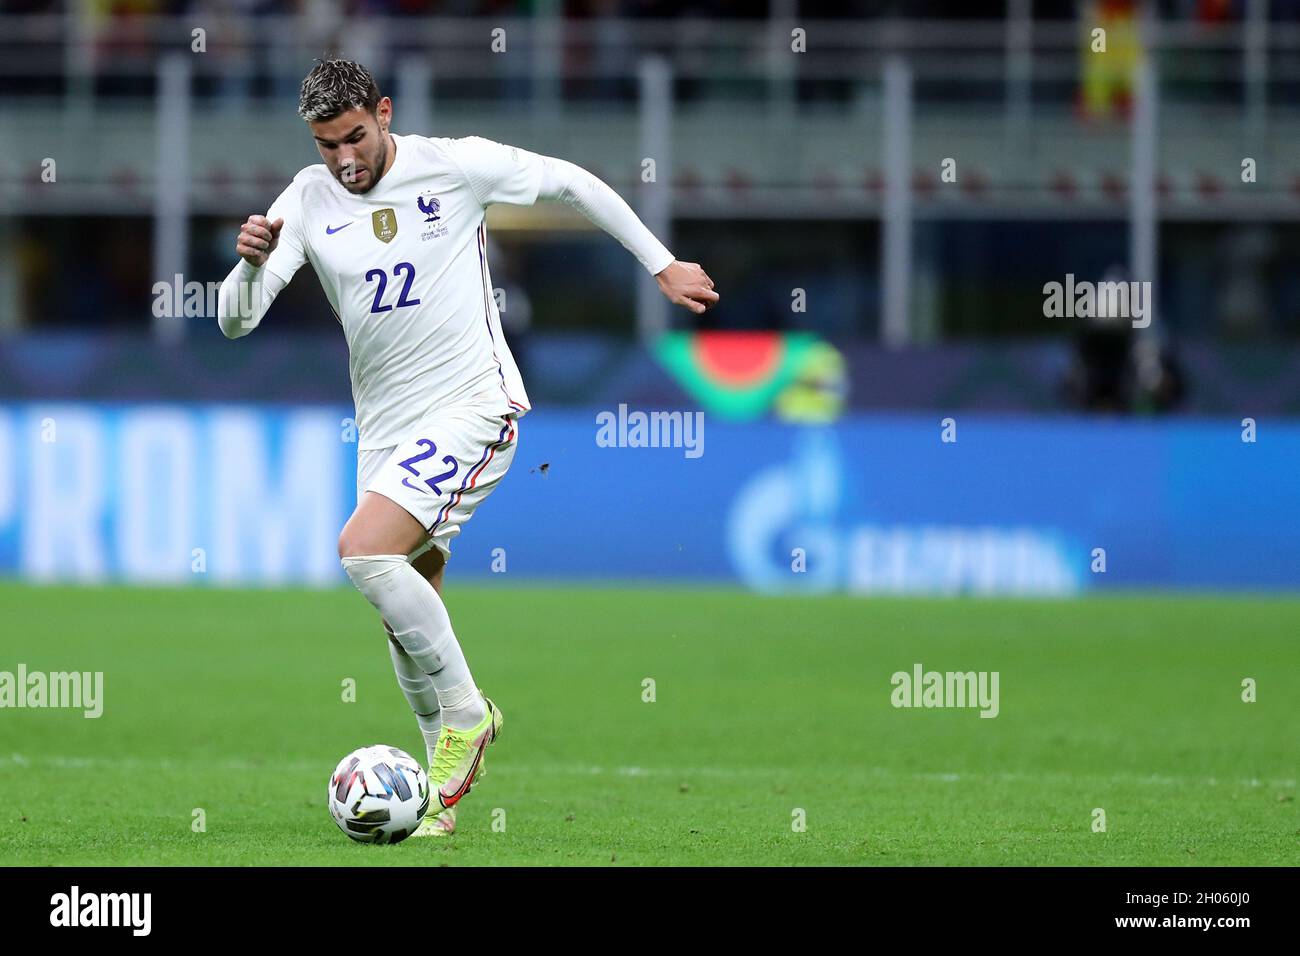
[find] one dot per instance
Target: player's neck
(392, 158)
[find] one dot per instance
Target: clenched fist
(257, 240)
(685, 283)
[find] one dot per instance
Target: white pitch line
(60, 762)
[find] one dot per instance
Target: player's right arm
(270, 252)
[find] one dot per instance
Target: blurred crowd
(1202, 11)
(446, 8)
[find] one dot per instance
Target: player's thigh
(431, 565)
(380, 525)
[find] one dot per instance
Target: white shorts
(452, 461)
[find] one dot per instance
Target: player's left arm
(684, 283)
(508, 174)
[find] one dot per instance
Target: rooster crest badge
(429, 205)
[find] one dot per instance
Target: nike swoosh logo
(330, 230)
(469, 778)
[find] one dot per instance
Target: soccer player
(394, 228)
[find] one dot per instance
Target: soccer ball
(378, 794)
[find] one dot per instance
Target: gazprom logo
(797, 504)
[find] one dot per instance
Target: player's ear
(384, 113)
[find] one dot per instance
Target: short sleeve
(291, 251)
(498, 173)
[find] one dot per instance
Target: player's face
(354, 146)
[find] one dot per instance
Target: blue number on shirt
(379, 293)
(432, 449)
(402, 300)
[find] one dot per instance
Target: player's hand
(685, 283)
(257, 240)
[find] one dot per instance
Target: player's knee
(355, 543)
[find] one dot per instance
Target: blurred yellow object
(819, 389)
(1108, 76)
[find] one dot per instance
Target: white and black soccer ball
(378, 794)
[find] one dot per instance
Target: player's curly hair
(335, 86)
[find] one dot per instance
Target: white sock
(462, 706)
(420, 623)
(430, 733)
(420, 694)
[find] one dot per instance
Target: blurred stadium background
(799, 150)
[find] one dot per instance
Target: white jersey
(404, 267)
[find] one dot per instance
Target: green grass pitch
(766, 711)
